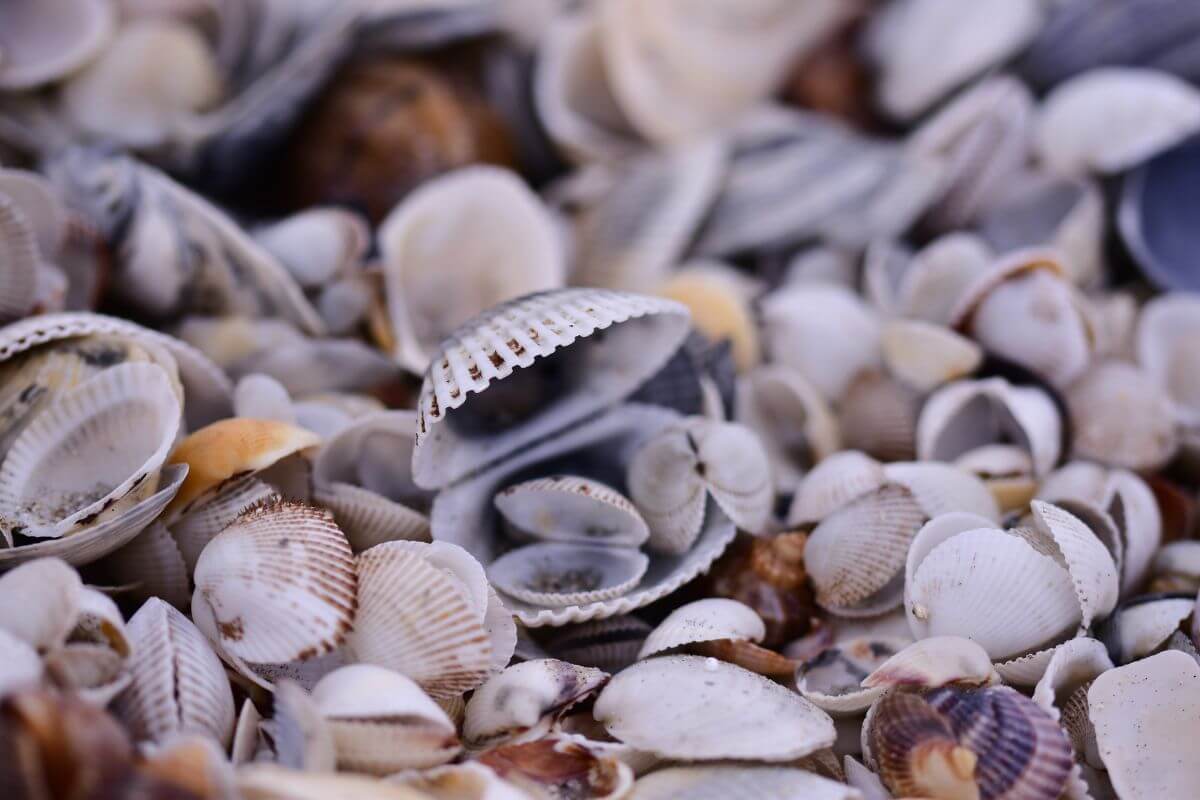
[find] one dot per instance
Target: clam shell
(45, 41)
(935, 662)
(706, 620)
(178, 684)
(739, 783)
(1142, 625)
(206, 518)
(834, 483)
(252, 578)
(505, 341)
(50, 483)
(1074, 664)
(942, 488)
(419, 620)
(318, 244)
(564, 508)
(832, 681)
(556, 574)
(1093, 571)
(1121, 418)
(259, 396)
(925, 355)
(460, 227)
(521, 702)
(1144, 715)
(692, 708)
(607, 644)
(1111, 118)
(925, 285)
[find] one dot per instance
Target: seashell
(19, 276)
(1142, 713)
(22, 667)
(419, 620)
(178, 684)
(49, 487)
(1072, 668)
(877, 414)
(864, 780)
(925, 285)
(1164, 328)
(469, 779)
(707, 620)
(1177, 566)
(672, 475)
(718, 298)
(698, 379)
(692, 708)
(966, 415)
(941, 488)
(935, 662)
(1120, 417)
(855, 554)
(522, 702)
(557, 574)
(946, 743)
(1007, 470)
(1142, 112)
(607, 644)
(925, 355)
(768, 575)
(834, 483)
(46, 41)
(792, 420)
(112, 100)
(259, 396)
(277, 782)
(1153, 234)
(152, 566)
(382, 722)
(43, 625)
(230, 450)
(455, 437)
(832, 681)
(208, 517)
(317, 245)
(245, 734)
(1142, 625)
(738, 783)
(564, 508)
(502, 217)
(553, 766)
(1093, 571)
(247, 606)
(302, 738)
(901, 37)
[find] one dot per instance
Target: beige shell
(877, 414)
(834, 483)
(1166, 327)
(1121, 418)
(719, 297)
(935, 662)
(925, 355)
(469, 780)
(707, 620)
(520, 703)
(277, 782)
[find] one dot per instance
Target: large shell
(277, 585)
(739, 783)
(511, 356)
(454, 231)
(564, 508)
(522, 701)
(557, 574)
(693, 708)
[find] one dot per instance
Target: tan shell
(925, 355)
(708, 620)
(935, 662)
(877, 414)
(719, 299)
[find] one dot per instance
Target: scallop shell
(254, 575)
(45, 41)
(50, 487)
(607, 644)
(556, 574)
(420, 621)
(692, 708)
(179, 685)
(739, 783)
(477, 221)
(382, 722)
(520, 703)
(833, 680)
(925, 355)
(706, 620)
(834, 483)
(499, 350)
(564, 508)
(1121, 418)
(208, 517)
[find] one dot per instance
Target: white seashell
(877, 414)
(556, 574)
(1179, 559)
(95, 672)
(1144, 714)
(935, 662)
(1120, 417)
(502, 351)
(399, 593)
(824, 332)
(1142, 626)
(693, 708)
(942, 488)
(278, 585)
(22, 666)
(1166, 326)
(259, 396)
(925, 285)
(245, 734)
(206, 519)
(56, 594)
(1074, 665)
(1109, 119)
(965, 415)
(178, 684)
(45, 41)
(792, 420)
(739, 783)
(564, 508)
(478, 222)
(152, 567)
(302, 737)
(382, 722)
(51, 481)
(1093, 572)
(609, 644)
(20, 265)
(708, 620)
(834, 483)
(832, 681)
(317, 245)
(276, 782)
(45, 214)
(925, 355)
(521, 703)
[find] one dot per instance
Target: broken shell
(608, 644)
(556, 574)
(834, 483)
(178, 684)
(277, 782)
(476, 221)
(1062, 692)
(515, 354)
(523, 701)
(833, 680)
(943, 743)
(693, 708)
(739, 783)
(925, 355)
(1093, 570)
(706, 620)
(672, 475)
(564, 508)
(382, 722)
(254, 575)
(1120, 417)
(45, 41)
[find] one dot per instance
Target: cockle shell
(557, 574)
(300, 736)
(497, 228)
(511, 354)
(1120, 417)
(565, 508)
(671, 477)
(707, 620)
(521, 703)
(834, 483)
(877, 414)
(469, 780)
(693, 708)
(44, 41)
(150, 566)
(925, 355)
(739, 783)
(1152, 230)
(607, 644)
(19, 268)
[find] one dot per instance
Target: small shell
(1121, 418)
(688, 707)
(833, 681)
(1155, 234)
(557, 766)
(704, 621)
(254, 575)
(57, 593)
(521, 702)
(718, 297)
(942, 488)
(739, 783)
(259, 396)
(301, 736)
(608, 644)
(555, 574)
(564, 508)
(925, 355)
(935, 662)
(834, 483)
(317, 245)
(22, 666)
(1142, 625)
(877, 414)
(178, 685)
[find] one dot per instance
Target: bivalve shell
(707, 620)
(557, 574)
(522, 701)
(835, 482)
(739, 783)
(565, 508)
(1120, 417)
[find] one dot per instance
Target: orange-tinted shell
(768, 575)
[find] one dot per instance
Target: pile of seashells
(567, 399)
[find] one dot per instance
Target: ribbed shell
(1120, 417)
(877, 414)
(942, 488)
(153, 566)
(1093, 571)
(706, 620)
(608, 644)
(178, 685)
(279, 584)
(556, 574)
(566, 508)
(19, 262)
(202, 522)
(418, 620)
(833, 483)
